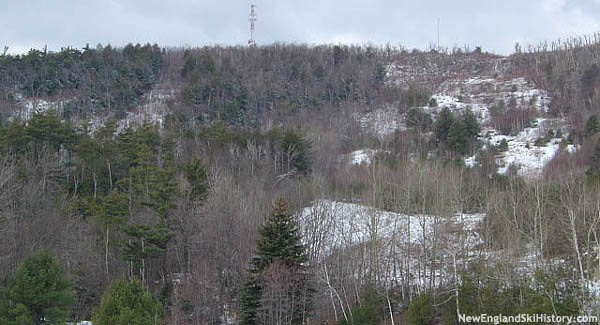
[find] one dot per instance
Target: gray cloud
(496, 25)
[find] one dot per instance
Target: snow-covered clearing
(479, 94)
(360, 157)
(382, 121)
(419, 249)
(29, 107)
(153, 110)
(522, 153)
(331, 226)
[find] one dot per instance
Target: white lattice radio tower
(251, 41)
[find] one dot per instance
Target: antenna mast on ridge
(251, 41)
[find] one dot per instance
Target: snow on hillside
(382, 121)
(522, 152)
(456, 105)
(153, 110)
(479, 94)
(31, 106)
(331, 226)
(360, 157)
(406, 242)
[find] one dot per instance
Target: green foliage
(42, 129)
(370, 312)
(137, 146)
(279, 241)
(48, 128)
(433, 102)
(195, 67)
(457, 138)
(250, 301)
(147, 242)
(235, 86)
(14, 138)
(40, 291)
(591, 126)
(594, 169)
(296, 152)
(162, 192)
(380, 73)
(104, 78)
(590, 81)
(551, 291)
(470, 124)
(112, 209)
(503, 146)
(127, 302)
(415, 96)
(419, 119)
(460, 134)
(197, 175)
(443, 123)
(421, 311)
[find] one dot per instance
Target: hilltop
(418, 179)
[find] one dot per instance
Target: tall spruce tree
(279, 242)
(470, 124)
(443, 123)
(457, 138)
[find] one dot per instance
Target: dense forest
(238, 204)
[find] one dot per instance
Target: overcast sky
(495, 25)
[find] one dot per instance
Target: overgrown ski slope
(423, 183)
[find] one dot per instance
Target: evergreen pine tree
(457, 138)
(591, 126)
(279, 242)
(110, 212)
(442, 124)
(250, 300)
(196, 174)
(40, 292)
(418, 119)
(471, 125)
(296, 152)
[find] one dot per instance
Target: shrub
(420, 311)
(127, 302)
(39, 292)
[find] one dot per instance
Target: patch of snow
(382, 121)
(522, 153)
(31, 107)
(470, 162)
(362, 156)
(455, 105)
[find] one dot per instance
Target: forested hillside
(287, 183)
